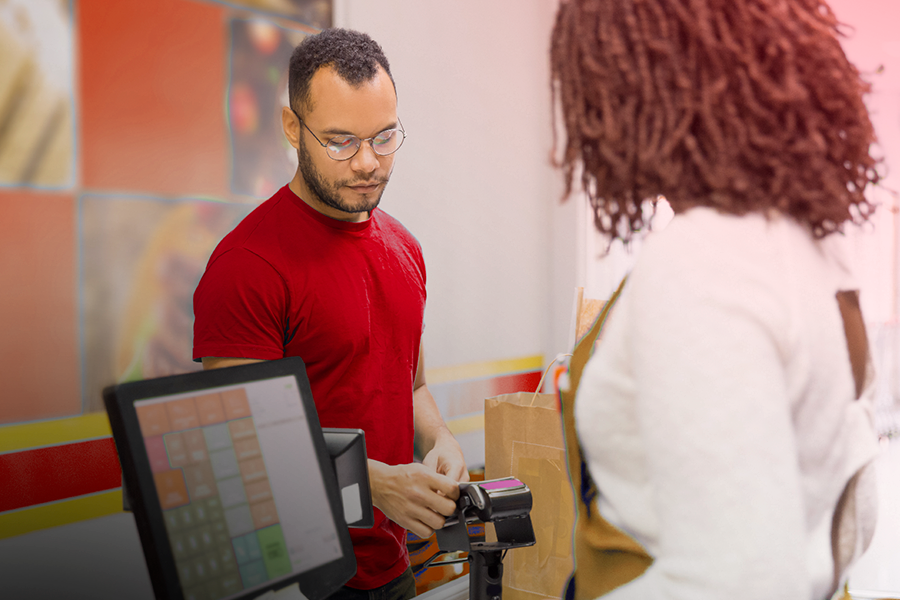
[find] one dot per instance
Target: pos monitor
(231, 484)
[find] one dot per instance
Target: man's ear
(291, 125)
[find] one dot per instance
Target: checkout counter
(225, 510)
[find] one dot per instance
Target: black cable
(424, 565)
(428, 563)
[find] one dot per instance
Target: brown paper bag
(523, 438)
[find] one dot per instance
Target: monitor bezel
(138, 476)
(347, 451)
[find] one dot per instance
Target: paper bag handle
(540, 384)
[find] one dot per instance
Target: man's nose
(365, 160)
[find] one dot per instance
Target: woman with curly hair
(722, 418)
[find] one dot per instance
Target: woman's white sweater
(717, 414)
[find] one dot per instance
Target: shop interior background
(134, 135)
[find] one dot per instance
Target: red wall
(149, 120)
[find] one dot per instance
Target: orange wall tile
(152, 96)
(39, 367)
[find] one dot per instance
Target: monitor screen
(233, 482)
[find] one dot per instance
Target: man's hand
(413, 496)
(446, 458)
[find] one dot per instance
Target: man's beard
(327, 193)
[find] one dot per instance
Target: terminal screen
(240, 508)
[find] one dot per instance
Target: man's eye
(342, 143)
(383, 138)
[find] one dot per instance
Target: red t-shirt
(349, 299)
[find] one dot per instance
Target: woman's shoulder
(706, 236)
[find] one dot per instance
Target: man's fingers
(434, 520)
(439, 494)
(425, 523)
(446, 485)
(430, 461)
(422, 530)
(434, 496)
(457, 472)
(443, 506)
(416, 497)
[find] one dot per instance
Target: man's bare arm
(217, 362)
(439, 448)
(419, 496)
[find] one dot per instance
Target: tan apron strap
(585, 346)
(855, 332)
(843, 526)
(605, 557)
(580, 355)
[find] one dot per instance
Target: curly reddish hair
(739, 105)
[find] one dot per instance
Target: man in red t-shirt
(318, 271)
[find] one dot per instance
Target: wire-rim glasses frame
(338, 144)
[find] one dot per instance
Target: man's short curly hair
(740, 105)
(354, 55)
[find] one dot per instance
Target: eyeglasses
(345, 147)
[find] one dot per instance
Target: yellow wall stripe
(54, 514)
(95, 425)
(466, 424)
(484, 369)
(49, 433)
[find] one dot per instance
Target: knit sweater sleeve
(706, 341)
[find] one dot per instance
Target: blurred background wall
(152, 128)
(135, 134)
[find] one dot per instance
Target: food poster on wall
(262, 159)
(315, 13)
(36, 93)
(141, 261)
